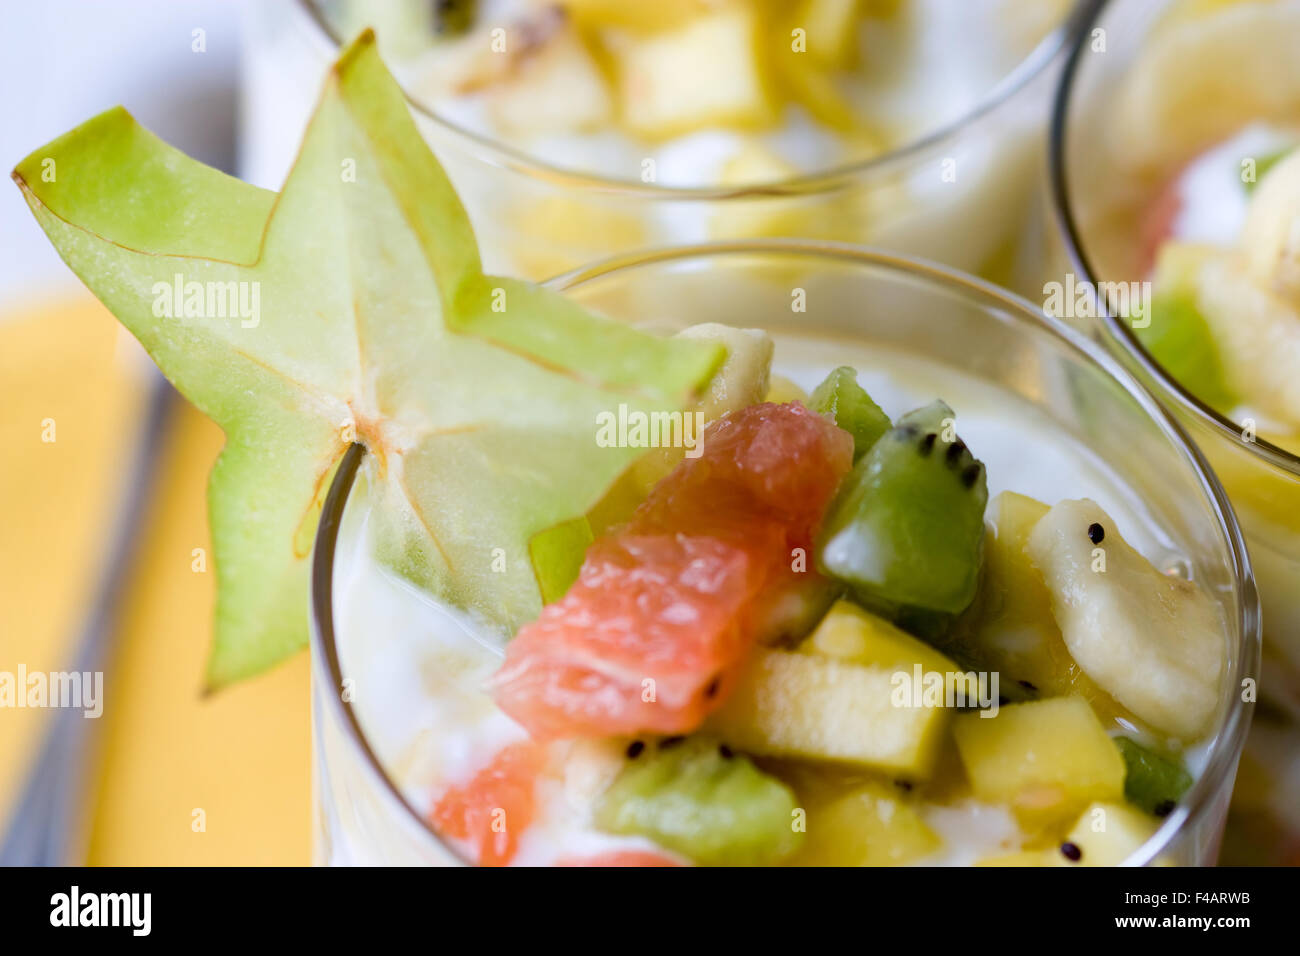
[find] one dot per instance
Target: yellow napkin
(181, 779)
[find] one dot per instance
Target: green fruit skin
(840, 396)
(1179, 338)
(693, 800)
(906, 531)
(1151, 779)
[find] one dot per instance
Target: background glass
(965, 194)
(1262, 479)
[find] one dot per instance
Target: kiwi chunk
(1153, 783)
(453, 17)
(698, 798)
(840, 396)
(906, 534)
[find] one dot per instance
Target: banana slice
(1199, 78)
(1154, 642)
(1270, 238)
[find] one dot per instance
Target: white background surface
(63, 61)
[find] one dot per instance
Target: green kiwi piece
(1180, 339)
(840, 396)
(696, 797)
(907, 531)
(1153, 782)
(453, 17)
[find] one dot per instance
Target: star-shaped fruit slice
(352, 306)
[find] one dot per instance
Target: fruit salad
(719, 597)
(818, 642)
(579, 128)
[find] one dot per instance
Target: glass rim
(1234, 720)
(1063, 208)
(496, 153)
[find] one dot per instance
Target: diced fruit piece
(744, 376)
(1179, 336)
(1044, 758)
(779, 462)
(620, 858)
(1152, 641)
(1107, 834)
(1270, 237)
(848, 404)
(664, 612)
(1200, 78)
(706, 73)
(1153, 783)
(908, 529)
(801, 705)
(554, 88)
(495, 807)
(873, 825)
(781, 389)
(1016, 634)
(850, 634)
(646, 640)
(698, 798)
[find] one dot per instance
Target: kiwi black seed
(634, 749)
(927, 443)
(1096, 533)
(1071, 852)
(970, 474)
(955, 451)
(669, 742)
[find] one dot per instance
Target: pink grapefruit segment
(664, 612)
(495, 807)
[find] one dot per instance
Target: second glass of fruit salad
(937, 583)
(576, 129)
(1176, 163)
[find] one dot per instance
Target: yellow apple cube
(1044, 758)
(872, 825)
(1107, 834)
(817, 708)
(705, 74)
